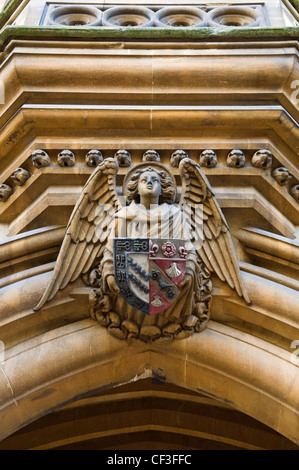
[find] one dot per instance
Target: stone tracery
(165, 17)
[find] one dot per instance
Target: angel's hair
(167, 186)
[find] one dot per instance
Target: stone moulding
(208, 158)
(170, 16)
(92, 360)
(14, 7)
(163, 34)
(55, 356)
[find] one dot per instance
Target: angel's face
(149, 186)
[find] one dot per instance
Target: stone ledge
(161, 34)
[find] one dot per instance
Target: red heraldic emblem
(150, 271)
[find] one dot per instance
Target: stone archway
(60, 366)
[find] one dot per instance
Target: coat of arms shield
(148, 271)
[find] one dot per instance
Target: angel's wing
(87, 231)
(211, 237)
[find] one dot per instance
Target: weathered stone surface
(180, 91)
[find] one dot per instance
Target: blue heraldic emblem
(149, 272)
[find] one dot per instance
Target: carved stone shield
(149, 271)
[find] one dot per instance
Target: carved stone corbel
(40, 159)
(208, 158)
(66, 158)
(151, 156)
(281, 175)
(20, 176)
(93, 158)
(123, 158)
(5, 192)
(236, 158)
(262, 159)
(176, 157)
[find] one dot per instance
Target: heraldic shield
(148, 271)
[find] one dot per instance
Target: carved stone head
(208, 158)
(93, 158)
(5, 192)
(40, 158)
(176, 157)
(66, 158)
(20, 176)
(281, 175)
(235, 158)
(151, 156)
(166, 185)
(294, 191)
(262, 159)
(123, 158)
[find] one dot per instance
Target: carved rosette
(147, 328)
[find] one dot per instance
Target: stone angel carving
(147, 258)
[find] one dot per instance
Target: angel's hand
(112, 286)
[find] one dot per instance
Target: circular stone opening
(233, 17)
(128, 20)
(180, 17)
(128, 17)
(76, 16)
